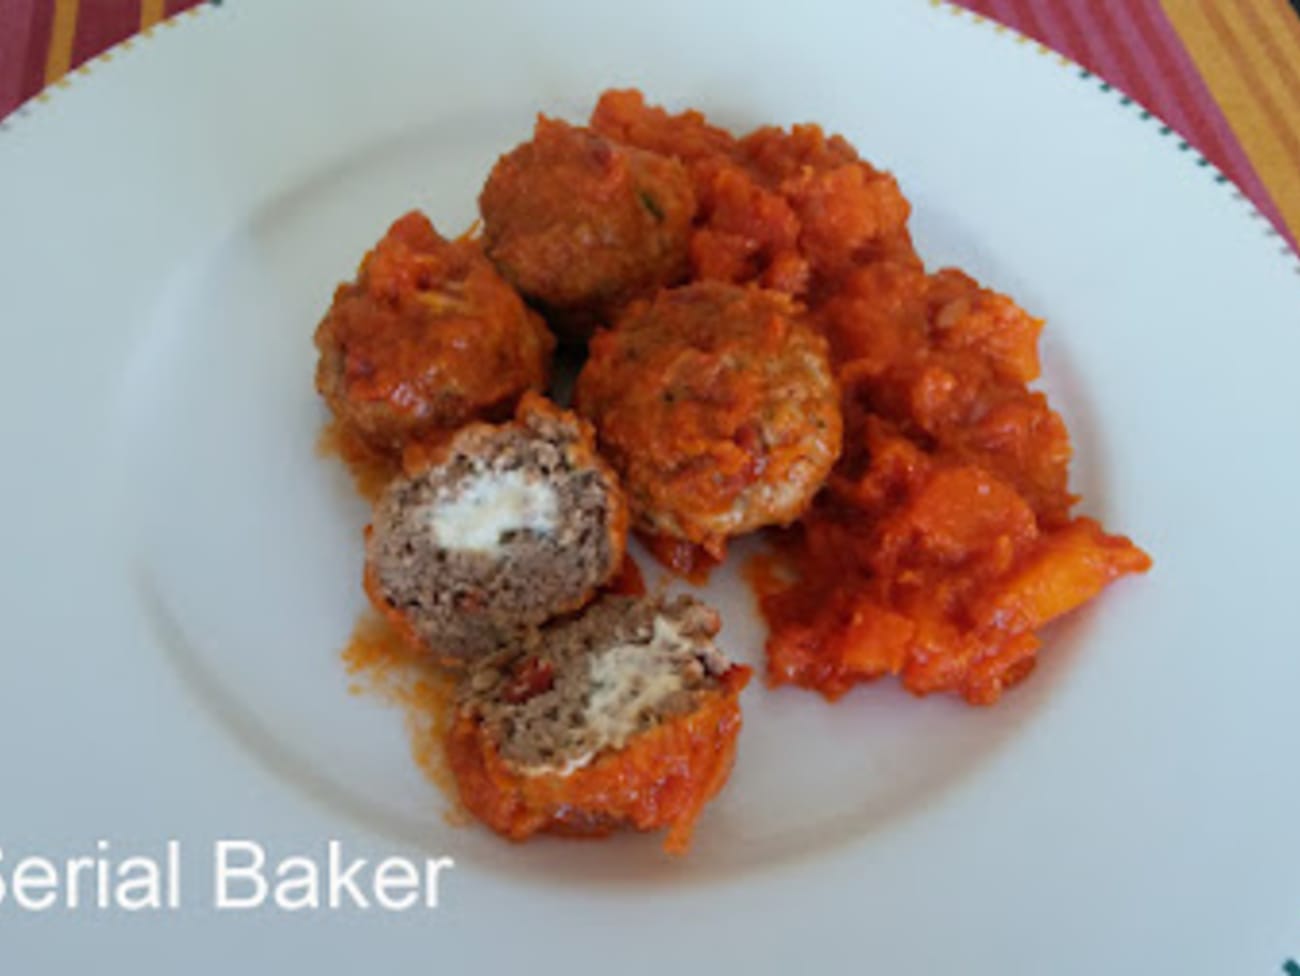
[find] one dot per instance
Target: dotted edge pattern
(1163, 128)
(52, 91)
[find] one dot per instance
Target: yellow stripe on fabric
(1257, 39)
(151, 11)
(63, 30)
(1250, 76)
(1277, 27)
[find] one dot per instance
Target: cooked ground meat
(625, 714)
(502, 529)
(716, 405)
(591, 682)
(426, 339)
(581, 224)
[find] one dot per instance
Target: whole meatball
(428, 338)
(581, 224)
(717, 405)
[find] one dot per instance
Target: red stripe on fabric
(1188, 90)
(1106, 55)
(1060, 21)
(982, 7)
(101, 24)
(1025, 19)
(38, 44)
(1146, 67)
(177, 6)
(16, 17)
(1002, 10)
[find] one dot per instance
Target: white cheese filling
(491, 504)
(626, 680)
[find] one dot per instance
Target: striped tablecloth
(1223, 74)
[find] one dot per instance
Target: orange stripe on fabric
(1281, 10)
(1273, 97)
(63, 31)
(1278, 94)
(151, 11)
(1270, 34)
(1237, 71)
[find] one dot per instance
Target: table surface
(1223, 75)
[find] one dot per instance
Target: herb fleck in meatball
(427, 338)
(581, 224)
(717, 405)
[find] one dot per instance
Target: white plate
(181, 568)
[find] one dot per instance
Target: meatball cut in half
(581, 224)
(499, 530)
(426, 339)
(717, 406)
(623, 716)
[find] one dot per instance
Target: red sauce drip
(691, 562)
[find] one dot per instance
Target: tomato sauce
(790, 210)
(629, 581)
(662, 779)
(945, 536)
(370, 469)
(685, 559)
(427, 338)
(382, 662)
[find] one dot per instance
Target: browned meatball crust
(427, 338)
(581, 225)
(717, 405)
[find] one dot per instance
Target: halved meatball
(500, 530)
(624, 716)
(581, 224)
(717, 406)
(426, 339)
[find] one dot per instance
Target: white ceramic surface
(181, 568)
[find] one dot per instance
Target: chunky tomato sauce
(944, 538)
(629, 581)
(381, 661)
(691, 562)
(790, 210)
(370, 469)
(662, 779)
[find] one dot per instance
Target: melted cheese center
(490, 505)
(626, 681)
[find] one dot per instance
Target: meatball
(502, 529)
(624, 716)
(581, 224)
(717, 406)
(427, 338)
